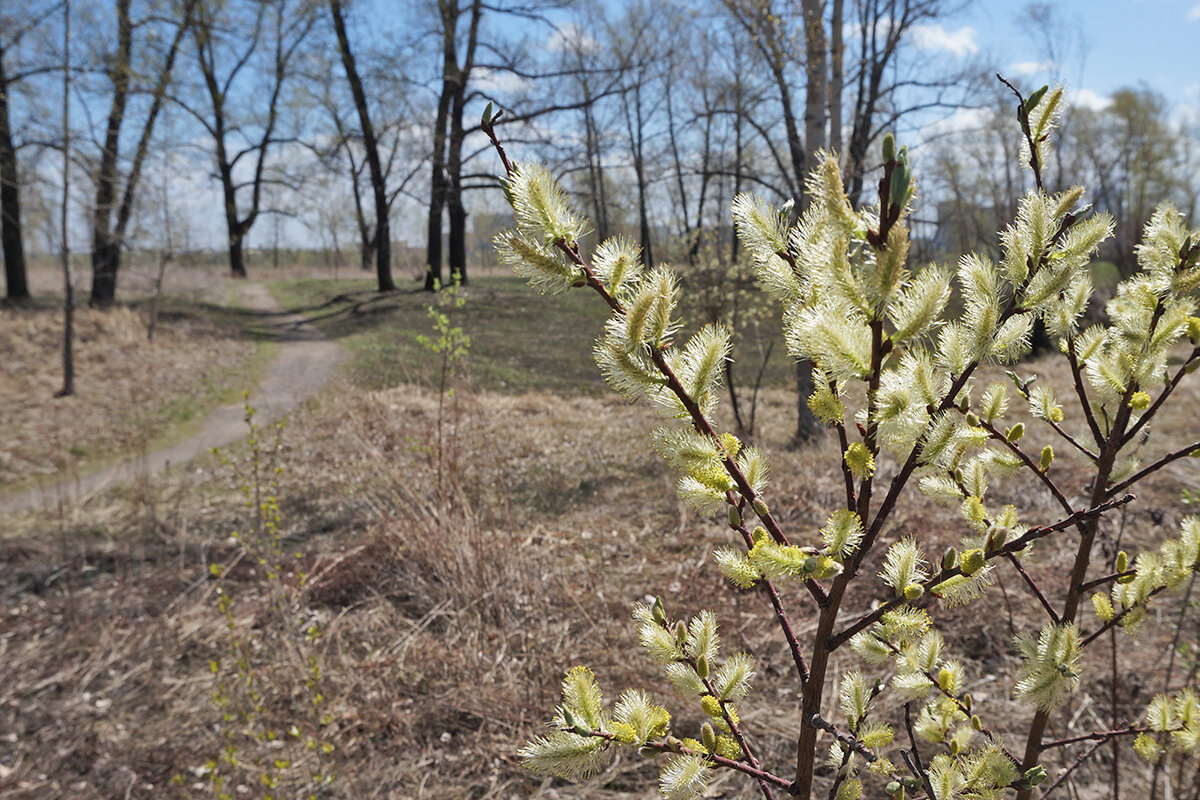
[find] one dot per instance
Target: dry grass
(129, 391)
(450, 613)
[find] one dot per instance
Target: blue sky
(1102, 46)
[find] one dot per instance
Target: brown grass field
(432, 596)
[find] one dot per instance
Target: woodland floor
(458, 556)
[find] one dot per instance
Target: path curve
(305, 362)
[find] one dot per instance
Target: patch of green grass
(520, 340)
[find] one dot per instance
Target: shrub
(898, 380)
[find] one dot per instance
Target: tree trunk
(815, 100)
(105, 248)
(15, 281)
(237, 257)
(383, 238)
(837, 50)
(457, 239)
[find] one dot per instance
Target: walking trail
(305, 361)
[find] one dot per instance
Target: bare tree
(68, 351)
(109, 228)
(14, 29)
(383, 242)
(273, 31)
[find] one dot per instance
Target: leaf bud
(568, 717)
(735, 518)
(972, 419)
(976, 722)
(1191, 367)
(709, 737)
(811, 564)
(673, 743)
(972, 562)
(967, 701)
(996, 538)
(648, 752)
(486, 119)
(1035, 98)
(950, 558)
(1122, 561)
(1015, 433)
(889, 147)
(894, 790)
(909, 782)
(760, 507)
(913, 591)
(681, 633)
(954, 747)
(702, 667)
(1047, 457)
(658, 612)
(1035, 775)
(898, 191)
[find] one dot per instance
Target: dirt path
(304, 363)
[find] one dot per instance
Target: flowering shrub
(896, 381)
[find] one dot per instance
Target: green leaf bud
(899, 188)
(909, 782)
(913, 591)
(568, 717)
(894, 790)
(735, 518)
(976, 722)
(1035, 775)
(486, 119)
(673, 743)
(760, 507)
(950, 558)
(1191, 367)
(702, 667)
(954, 747)
(996, 538)
(681, 633)
(1015, 433)
(967, 700)
(1047, 457)
(658, 612)
(889, 147)
(709, 737)
(1122, 561)
(648, 752)
(1035, 98)
(972, 419)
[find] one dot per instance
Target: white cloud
(1026, 68)
(963, 120)
(490, 80)
(934, 37)
(1194, 14)
(1086, 98)
(572, 37)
